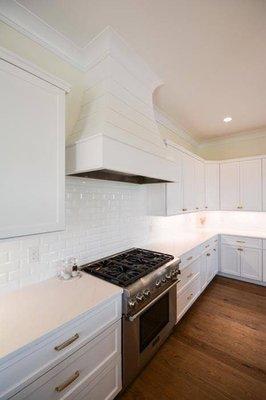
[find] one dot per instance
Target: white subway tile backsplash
(101, 218)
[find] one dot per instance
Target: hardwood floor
(216, 352)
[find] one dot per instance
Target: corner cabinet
(32, 151)
(241, 185)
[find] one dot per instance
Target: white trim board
(27, 66)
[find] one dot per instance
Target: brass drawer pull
(67, 342)
(189, 258)
(190, 275)
(214, 249)
(68, 382)
(239, 207)
(190, 296)
(240, 249)
(208, 254)
(184, 209)
(240, 241)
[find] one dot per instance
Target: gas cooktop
(125, 268)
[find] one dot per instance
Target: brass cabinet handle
(206, 206)
(184, 209)
(239, 207)
(197, 208)
(214, 249)
(190, 275)
(190, 296)
(189, 258)
(68, 382)
(67, 342)
(240, 241)
(208, 254)
(240, 249)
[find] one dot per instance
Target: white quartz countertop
(179, 245)
(31, 312)
(186, 241)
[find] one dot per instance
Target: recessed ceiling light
(227, 119)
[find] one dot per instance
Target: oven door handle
(133, 317)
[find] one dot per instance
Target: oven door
(144, 333)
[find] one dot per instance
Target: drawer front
(46, 354)
(210, 244)
(241, 241)
(187, 296)
(189, 257)
(73, 374)
(189, 273)
(105, 387)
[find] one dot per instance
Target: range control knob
(168, 276)
(147, 292)
(158, 283)
(131, 303)
(139, 297)
(163, 280)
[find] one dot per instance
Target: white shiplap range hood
(116, 136)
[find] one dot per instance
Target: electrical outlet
(33, 254)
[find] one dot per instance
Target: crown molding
(30, 25)
(27, 66)
(163, 119)
(106, 43)
(235, 137)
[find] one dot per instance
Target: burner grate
(126, 268)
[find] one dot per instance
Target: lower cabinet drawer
(189, 273)
(105, 387)
(187, 296)
(76, 371)
(241, 241)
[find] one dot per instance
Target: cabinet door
(199, 167)
(173, 198)
(188, 181)
(209, 265)
(230, 260)
(251, 263)
(229, 186)
(212, 186)
(215, 260)
(250, 185)
(264, 266)
(264, 183)
(32, 173)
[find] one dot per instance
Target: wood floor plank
(216, 352)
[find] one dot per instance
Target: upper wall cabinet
(31, 152)
(240, 185)
(212, 186)
(193, 183)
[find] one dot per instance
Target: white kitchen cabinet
(230, 260)
(32, 172)
(264, 183)
(199, 184)
(251, 263)
(188, 183)
(241, 185)
(212, 186)
(239, 258)
(264, 266)
(250, 177)
(229, 186)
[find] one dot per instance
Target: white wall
(102, 218)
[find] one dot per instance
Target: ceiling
(211, 54)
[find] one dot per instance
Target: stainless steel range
(149, 283)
